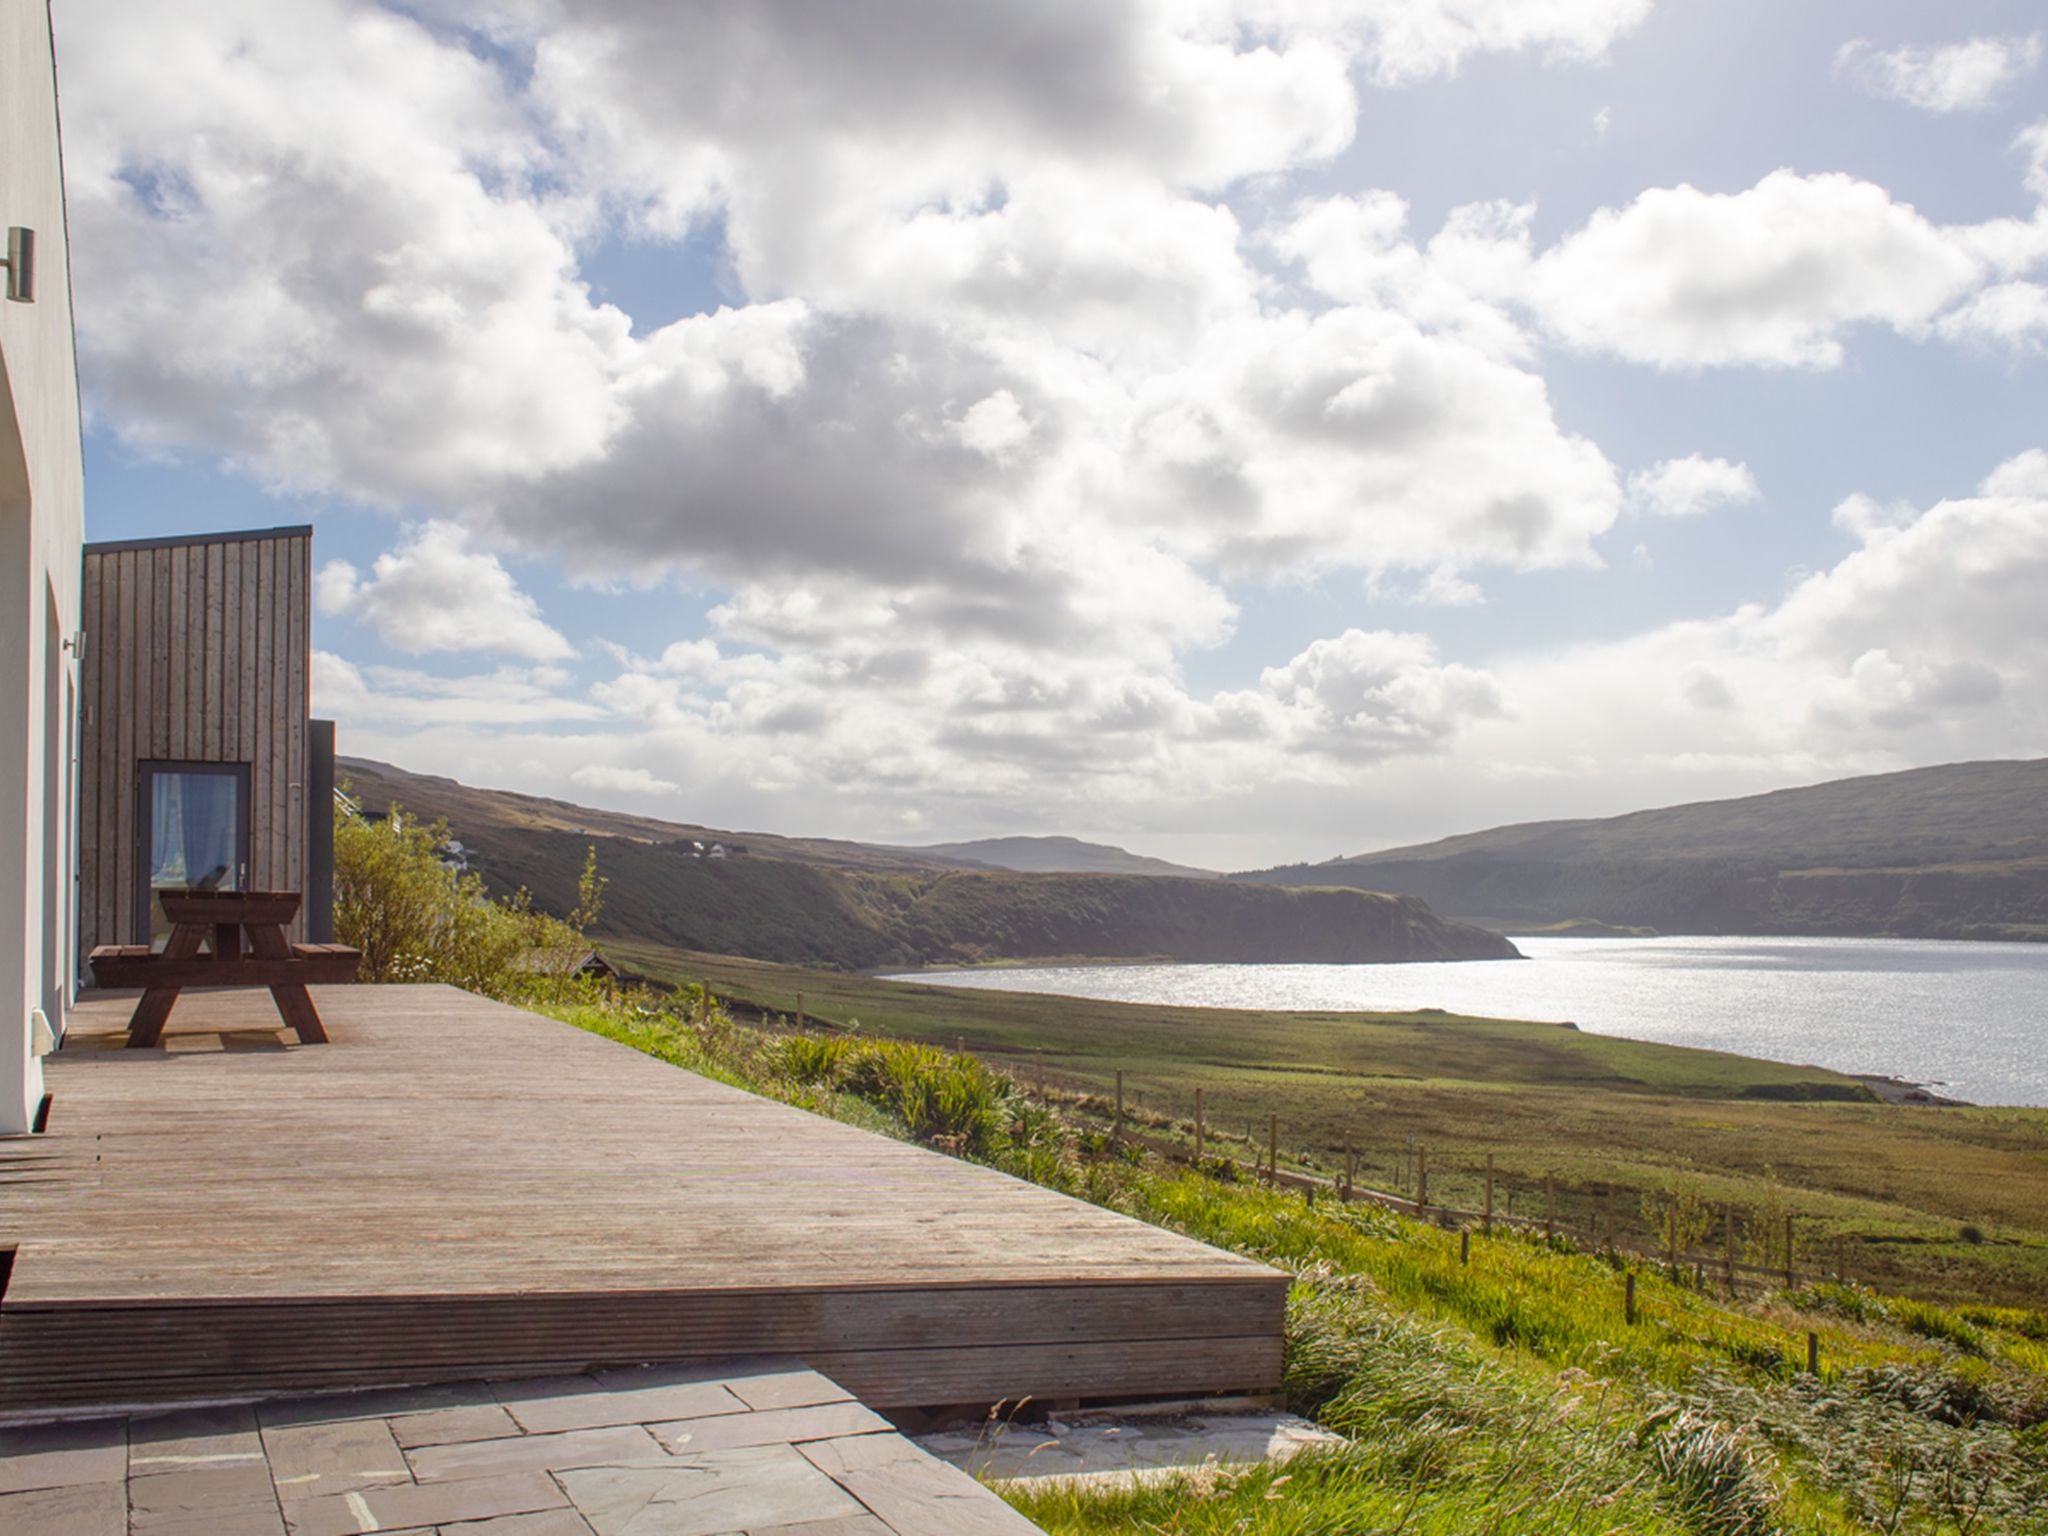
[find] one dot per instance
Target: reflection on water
(1970, 1019)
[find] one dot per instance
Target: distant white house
(717, 850)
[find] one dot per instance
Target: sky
(1247, 431)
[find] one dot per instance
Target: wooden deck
(456, 1189)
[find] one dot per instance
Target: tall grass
(1502, 1393)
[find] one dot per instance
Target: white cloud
(1952, 77)
(2013, 316)
(611, 779)
(435, 593)
(1033, 361)
(1923, 644)
(1363, 695)
(2033, 142)
(1772, 276)
(1689, 486)
(383, 698)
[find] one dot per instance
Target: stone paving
(1107, 1452)
(763, 1448)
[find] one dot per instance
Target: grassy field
(1941, 1203)
(1500, 1389)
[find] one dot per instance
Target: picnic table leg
(146, 1024)
(294, 1002)
(295, 1007)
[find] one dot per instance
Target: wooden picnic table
(219, 921)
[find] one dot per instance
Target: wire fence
(1730, 1245)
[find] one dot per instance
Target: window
(195, 834)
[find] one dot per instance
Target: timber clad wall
(198, 651)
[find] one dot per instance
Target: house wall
(41, 527)
(199, 653)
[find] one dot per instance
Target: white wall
(41, 530)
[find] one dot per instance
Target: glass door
(194, 835)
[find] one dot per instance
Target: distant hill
(1959, 851)
(853, 905)
(1059, 856)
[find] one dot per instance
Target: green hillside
(847, 905)
(1959, 851)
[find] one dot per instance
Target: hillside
(1959, 851)
(1059, 856)
(820, 902)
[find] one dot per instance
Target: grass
(1947, 1204)
(1503, 1392)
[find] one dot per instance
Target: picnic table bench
(217, 922)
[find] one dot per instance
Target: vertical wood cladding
(199, 651)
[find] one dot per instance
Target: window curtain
(193, 826)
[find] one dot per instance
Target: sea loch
(1968, 1020)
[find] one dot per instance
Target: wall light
(21, 264)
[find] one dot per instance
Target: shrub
(1713, 1475)
(416, 919)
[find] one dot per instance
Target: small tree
(417, 919)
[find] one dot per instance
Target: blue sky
(970, 423)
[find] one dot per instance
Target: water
(1970, 1020)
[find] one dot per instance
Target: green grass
(1504, 1392)
(1612, 1122)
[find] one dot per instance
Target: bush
(417, 919)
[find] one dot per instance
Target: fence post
(1813, 1354)
(1273, 1151)
(1465, 1245)
(1549, 1207)
(1487, 1219)
(1039, 1054)
(1119, 1130)
(1727, 1251)
(799, 1010)
(1607, 1217)
(1350, 1169)
(1628, 1298)
(1790, 1282)
(1198, 1126)
(1421, 1176)
(1671, 1233)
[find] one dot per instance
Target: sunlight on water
(1967, 1019)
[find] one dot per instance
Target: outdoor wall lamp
(75, 644)
(21, 264)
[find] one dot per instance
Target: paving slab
(776, 1426)
(63, 1455)
(582, 1402)
(194, 1438)
(309, 1460)
(1126, 1451)
(360, 1512)
(912, 1493)
(469, 1462)
(95, 1509)
(451, 1426)
(615, 1445)
(552, 1522)
(712, 1494)
(788, 1387)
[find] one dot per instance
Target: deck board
(454, 1187)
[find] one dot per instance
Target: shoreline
(1899, 1090)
